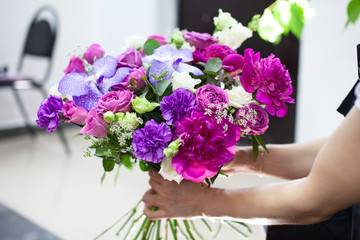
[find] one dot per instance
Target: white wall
(82, 22)
(328, 68)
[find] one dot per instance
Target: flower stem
(188, 229)
(236, 229)
(172, 224)
(196, 231)
(207, 225)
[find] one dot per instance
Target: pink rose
(94, 52)
(76, 64)
(95, 125)
(74, 113)
(130, 58)
(199, 40)
(133, 81)
(210, 96)
(253, 119)
(117, 101)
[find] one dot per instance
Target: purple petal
(119, 76)
(183, 67)
(157, 68)
(89, 100)
(74, 84)
(105, 66)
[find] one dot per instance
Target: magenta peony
(95, 125)
(94, 52)
(73, 113)
(218, 51)
(210, 96)
(269, 79)
(206, 146)
(117, 101)
(76, 64)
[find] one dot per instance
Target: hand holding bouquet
(178, 105)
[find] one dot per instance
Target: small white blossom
(233, 37)
(167, 171)
(136, 41)
(184, 80)
(238, 97)
(224, 20)
(54, 91)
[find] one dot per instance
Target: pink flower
(218, 51)
(76, 64)
(94, 52)
(233, 63)
(133, 81)
(95, 125)
(271, 81)
(130, 58)
(160, 39)
(206, 146)
(74, 113)
(252, 119)
(117, 101)
(210, 96)
(199, 40)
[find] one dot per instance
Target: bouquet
(179, 105)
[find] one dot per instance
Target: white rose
(136, 41)
(167, 171)
(224, 20)
(238, 97)
(184, 80)
(234, 36)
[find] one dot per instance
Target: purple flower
(149, 142)
(167, 59)
(252, 119)
(271, 81)
(94, 52)
(130, 58)
(87, 89)
(115, 101)
(199, 40)
(177, 105)
(48, 113)
(206, 146)
(210, 96)
(134, 81)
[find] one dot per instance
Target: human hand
(173, 200)
(241, 163)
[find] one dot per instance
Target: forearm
(288, 161)
(285, 203)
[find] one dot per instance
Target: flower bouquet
(178, 105)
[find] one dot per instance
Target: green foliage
(213, 66)
(150, 45)
(353, 11)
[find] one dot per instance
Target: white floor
(63, 193)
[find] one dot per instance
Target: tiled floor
(64, 195)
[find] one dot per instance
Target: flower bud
(177, 39)
(173, 148)
(142, 105)
(109, 117)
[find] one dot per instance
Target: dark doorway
(197, 15)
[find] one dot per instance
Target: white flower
(224, 20)
(234, 36)
(167, 171)
(184, 80)
(136, 41)
(54, 91)
(238, 97)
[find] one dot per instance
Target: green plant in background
(289, 16)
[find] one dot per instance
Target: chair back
(40, 38)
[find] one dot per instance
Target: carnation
(48, 113)
(205, 147)
(271, 81)
(149, 142)
(177, 105)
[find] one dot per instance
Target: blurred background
(59, 195)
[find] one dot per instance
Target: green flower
(173, 148)
(109, 117)
(131, 120)
(177, 39)
(142, 105)
(224, 21)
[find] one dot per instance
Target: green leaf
(213, 66)
(143, 166)
(126, 161)
(108, 164)
(261, 142)
(255, 147)
(162, 85)
(150, 45)
(353, 11)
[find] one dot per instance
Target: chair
(39, 45)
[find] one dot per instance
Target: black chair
(39, 46)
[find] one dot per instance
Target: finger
(154, 215)
(150, 198)
(156, 186)
(156, 176)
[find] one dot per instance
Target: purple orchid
(167, 59)
(88, 88)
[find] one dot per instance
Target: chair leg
(24, 114)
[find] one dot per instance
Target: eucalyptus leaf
(162, 85)
(150, 45)
(126, 161)
(213, 66)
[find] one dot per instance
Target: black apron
(344, 225)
